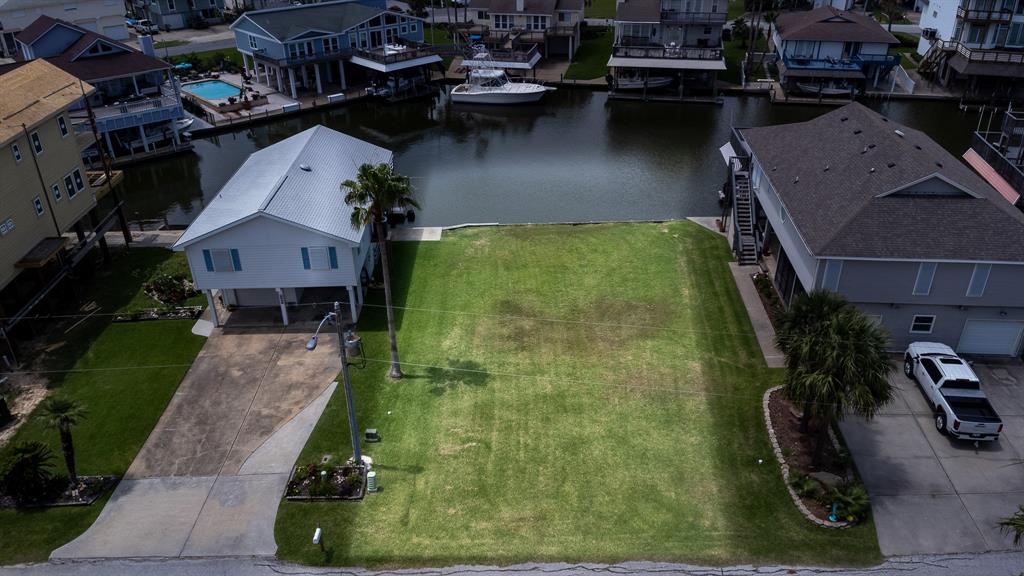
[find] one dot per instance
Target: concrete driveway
(210, 476)
(931, 494)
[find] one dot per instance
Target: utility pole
(353, 429)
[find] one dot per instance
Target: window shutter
(209, 260)
(305, 258)
(235, 261)
(332, 253)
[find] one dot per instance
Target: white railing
(901, 78)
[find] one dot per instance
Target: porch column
(110, 146)
(213, 308)
(341, 70)
(319, 86)
(352, 303)
(305, 77)
(280, 80)
(145, 142)
(135, 85)
(174, 126)
(245, 63)
(291, 79)
(284, 307)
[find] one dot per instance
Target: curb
(785, 468)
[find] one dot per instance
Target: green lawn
(169, 44)
(439, 36)
(210, 59)
(734, 53)
(124, 404)
(599, 9)
(591, 60)
(737, 8)
(576, 393)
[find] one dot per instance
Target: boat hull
(824, 91)
(522, 97)
(652, 83)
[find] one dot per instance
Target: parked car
(144, 26)
(954, 392)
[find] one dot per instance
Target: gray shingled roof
(638, 11)
(272, 182)
(832, 173)
(335, 17)
(829, 24)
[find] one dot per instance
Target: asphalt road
(195, 47)
(992, 564)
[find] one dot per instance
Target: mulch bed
(179, 313)
(88, 490)
(315, 482)
(798, 449)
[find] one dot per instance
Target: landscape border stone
(785, 468)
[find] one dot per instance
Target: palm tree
(835, 361)
(1014, 525)
(62, 414)
(378, 188)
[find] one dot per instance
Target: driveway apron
(210, 476)
(932, 494)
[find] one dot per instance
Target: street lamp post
(311, 345)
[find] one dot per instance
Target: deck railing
(991, 55)
(855, 63)
(411, 53)
(986, 145)
(683, 17)
(995, 15)
(626, 50)
(340, 52)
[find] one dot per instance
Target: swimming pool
(211, 89)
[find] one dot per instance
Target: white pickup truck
(954, 392)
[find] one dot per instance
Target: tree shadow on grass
(458, 373)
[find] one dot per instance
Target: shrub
(171, 288)
(354, 479)
(803, 485)
(853, 501)
(26, 471)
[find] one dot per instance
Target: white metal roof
(273, 182)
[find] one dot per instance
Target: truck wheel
(908, 367)
(940, 422)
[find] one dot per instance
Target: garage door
(991, 337)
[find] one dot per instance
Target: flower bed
(814, 489)
(316, 482)
(85, 492)
(175, 313)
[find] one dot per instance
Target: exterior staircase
(747, 249)
(931, 60)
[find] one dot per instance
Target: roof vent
(899, 133)
(865, 150)
(773, 168)
(918, 146)
(795, 180)
(891, 164)
(843, 119)
(826, 168)
(939, 164)
(871, 145)
(884, 119)
(305, 168)
(872, 171)
(857, 131)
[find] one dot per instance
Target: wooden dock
(779, 96)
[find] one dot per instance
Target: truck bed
(972, 409)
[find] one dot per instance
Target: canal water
(575, 157)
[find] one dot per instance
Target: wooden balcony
(987, 55)
(682, 17)
(984, 15)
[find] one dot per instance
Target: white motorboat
(492, 86)
(184, 123)
(638, 82)
(826, 89)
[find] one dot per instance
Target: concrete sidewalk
(758, 316)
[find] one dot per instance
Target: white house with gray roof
(280, 227)
(856, 203)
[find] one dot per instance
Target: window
(252, 42)
(481, 15)
(563, 16)
(413, 27)
(502, 21)
(37, 203)
(63, 125)
(714, 6)
(707, 30)
(17, 152)
(405, 29)
(37, 144)
(331, 44)
(833, 269)
(979, 279)
(922, 324)
(69, 186)
(79, 183)
(170, 6)
(1016, 37)
(537, 22)
(191, 4)
(931, 369)
(976, 35)
(925, 275)
(222, 260)
(56, 193)
(320, 258)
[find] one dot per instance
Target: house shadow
(403, 264)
